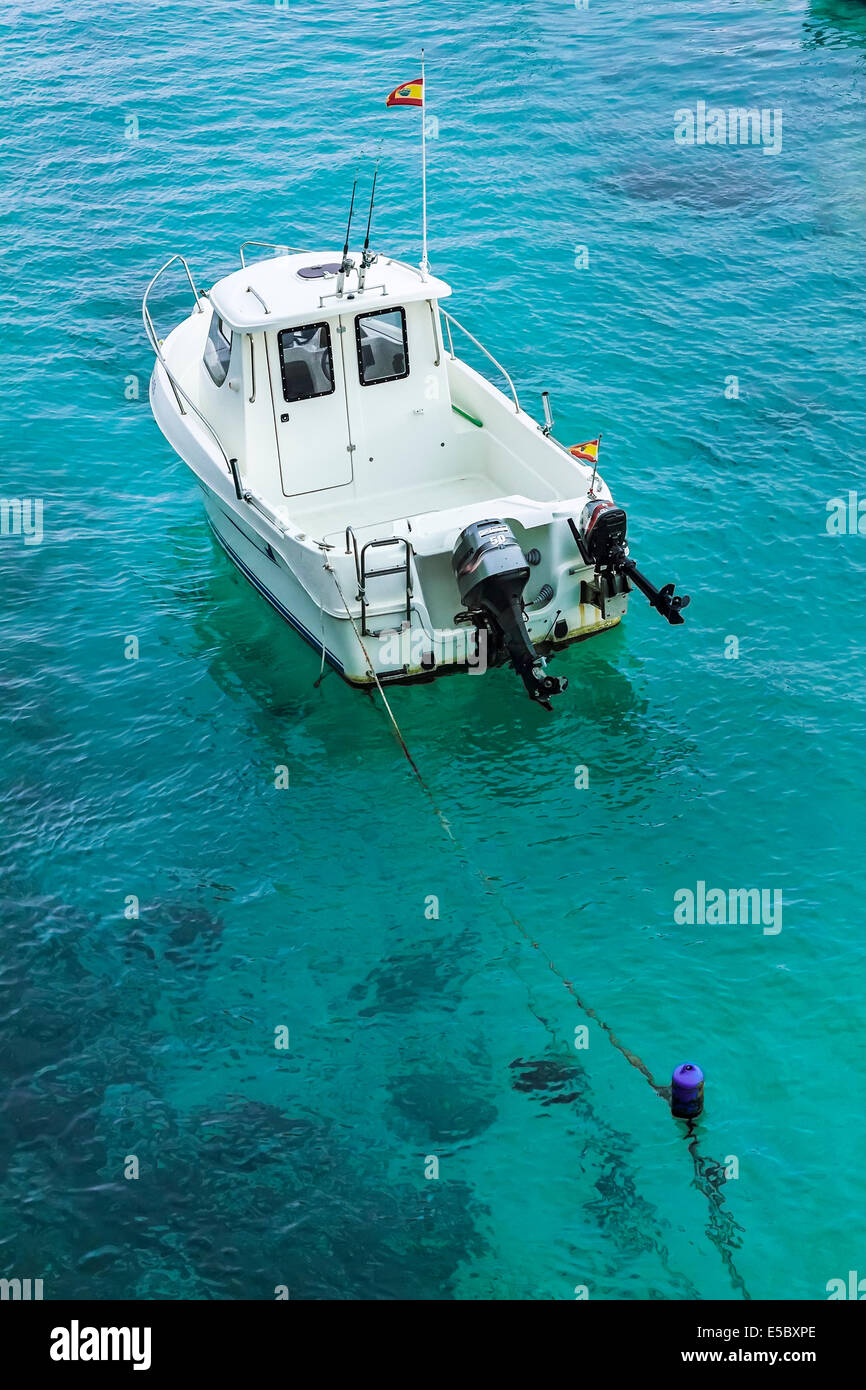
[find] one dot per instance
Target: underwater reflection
(835, 24)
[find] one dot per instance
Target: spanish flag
(410, 94)
(588, 452)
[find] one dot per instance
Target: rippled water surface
(153, 779)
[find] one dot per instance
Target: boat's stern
(509, 587)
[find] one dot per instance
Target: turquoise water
(412, 1036)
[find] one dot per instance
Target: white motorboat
(402, 513)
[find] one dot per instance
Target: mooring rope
(709, 1174)
(318, 682)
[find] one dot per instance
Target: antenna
(372, 197)
(368, 259)
(346, 264)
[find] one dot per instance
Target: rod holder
(236, 479)
(548, 413)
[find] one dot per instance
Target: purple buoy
(687, 1091)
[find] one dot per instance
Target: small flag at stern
(410, 94)
(588, 452)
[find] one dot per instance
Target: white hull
(345, 649)
(355, 552)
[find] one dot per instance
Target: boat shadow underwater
(250, 656)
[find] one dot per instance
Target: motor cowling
(491, 572)
(602, 527)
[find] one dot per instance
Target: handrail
(271, 245)
(163, 268)
(350, 532)
(254, 500)
(154, 343)
(179, 394)
(435, 333)
(449, 319)
(450, 339)
(407, 265)
(251, 291)
(252, 369)
(148, 321)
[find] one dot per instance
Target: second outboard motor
(600, 534)
(491, 572)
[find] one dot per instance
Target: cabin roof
(242, 298)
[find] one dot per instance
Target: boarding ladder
(401, 565)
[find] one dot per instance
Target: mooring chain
(722, 1224)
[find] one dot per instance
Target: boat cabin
(346, 405)
(345, 409)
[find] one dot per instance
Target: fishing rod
(368, 257)
(347, 265)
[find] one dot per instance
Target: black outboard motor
(600, 535)
(491, 572)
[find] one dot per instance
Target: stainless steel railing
(156, 343)
(407, 265)
(149, 329)
(449, 319)
(279, 246)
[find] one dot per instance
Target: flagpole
(595, 467)
(424, 262)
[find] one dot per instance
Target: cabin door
(307, 368)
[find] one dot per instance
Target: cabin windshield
(306, 362)
(383, 352)
(218, 350)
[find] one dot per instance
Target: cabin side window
(218, 350)
(306, 361)
(383, 350)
